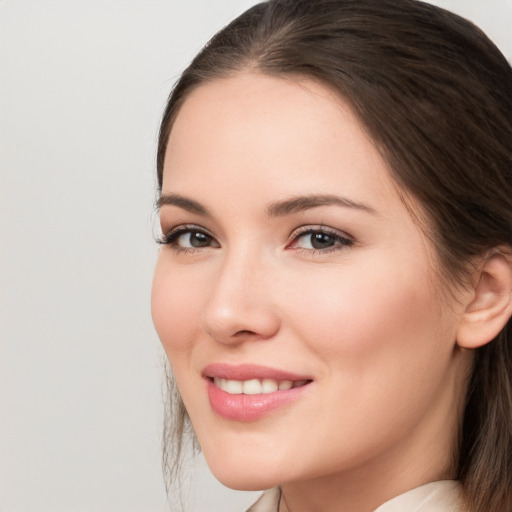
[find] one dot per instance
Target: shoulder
(268, 502)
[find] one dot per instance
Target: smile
(256, 386)
(249, 392)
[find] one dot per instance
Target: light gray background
(82, 86)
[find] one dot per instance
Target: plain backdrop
(82, 87)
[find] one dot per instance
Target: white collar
(442, 496)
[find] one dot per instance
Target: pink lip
(247, 408)
(249, 371)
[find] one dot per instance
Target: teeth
(233, 387)
(251, 387)
(269, 386)
(256, 386)
(286, 384)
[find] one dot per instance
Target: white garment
(442, 496)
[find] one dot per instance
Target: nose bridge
(240, 305)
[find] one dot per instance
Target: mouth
(256, 386)
(250, 392)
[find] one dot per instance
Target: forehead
(251, 125)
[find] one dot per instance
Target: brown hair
(435, 94)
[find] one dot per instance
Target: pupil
(198, 239)
(322, 240)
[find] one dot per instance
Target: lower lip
(250, 407)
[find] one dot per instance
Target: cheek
(175, 307)
(360, 316)
(384, 349)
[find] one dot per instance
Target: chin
(250, 481)
(243, 475)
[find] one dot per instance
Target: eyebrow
(182, 202)
(301, 203)
(277, 209)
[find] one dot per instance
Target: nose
(240, 307)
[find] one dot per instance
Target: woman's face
(292, 262)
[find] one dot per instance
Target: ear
(491, 306)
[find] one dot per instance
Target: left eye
(318, 240)
(185, 238)
(193, 239)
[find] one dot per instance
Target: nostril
(244, 332)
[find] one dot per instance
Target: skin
(367, 321)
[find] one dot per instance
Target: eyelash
(340, 241)
(171, 238)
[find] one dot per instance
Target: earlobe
(491, 306)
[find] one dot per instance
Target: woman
(334, 289)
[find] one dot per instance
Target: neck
(360, 497)
(366, 488)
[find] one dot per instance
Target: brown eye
(189, 238)
(194, 239)
(320, 240)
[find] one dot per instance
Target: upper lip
(248, 372)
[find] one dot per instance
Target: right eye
(188, 238)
